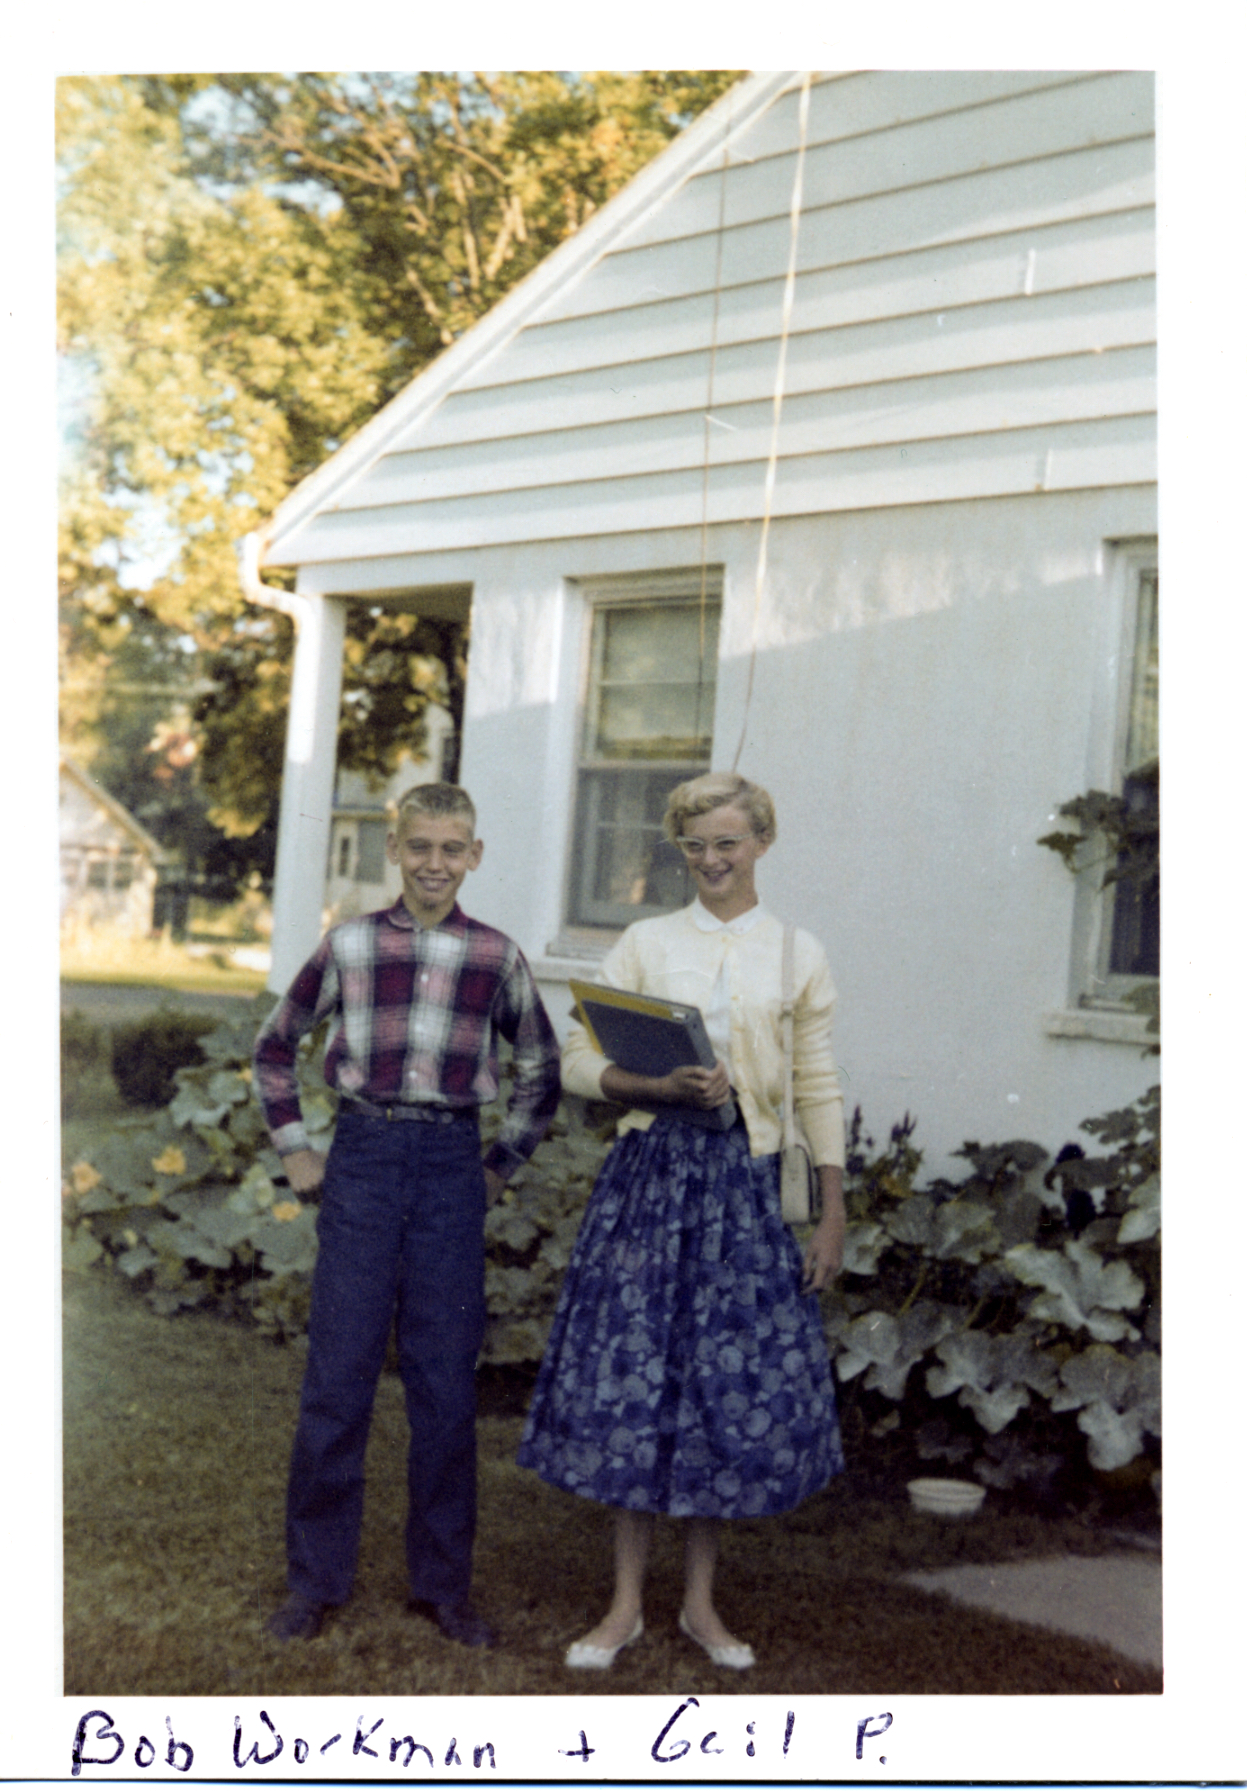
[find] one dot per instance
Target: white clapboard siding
(1089, 319)
(1079, 183)
(974, 314)
(848, 105)
(1113, 451)
(1108, 109)
(1084, 253)
(1119, 382)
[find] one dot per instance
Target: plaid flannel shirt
(419, 1014)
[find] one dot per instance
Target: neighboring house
(109, 861)
(826, 448)
(360, 876)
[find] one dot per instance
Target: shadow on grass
(177, 1435)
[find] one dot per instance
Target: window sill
(1111, 1026)
(573, 954)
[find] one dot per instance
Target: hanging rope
(777, 403)
(707, 416)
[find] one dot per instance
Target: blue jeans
(401, 1230)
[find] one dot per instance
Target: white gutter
(290, 603)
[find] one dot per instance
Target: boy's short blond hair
(700, 795)
(436, 799)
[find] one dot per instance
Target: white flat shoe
(737, 1655)
(590, 1654)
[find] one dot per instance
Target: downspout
(290, 603)
(303, 831)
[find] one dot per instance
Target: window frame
(1099, 1003)
(677, 586)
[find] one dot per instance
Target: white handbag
(797, 1180)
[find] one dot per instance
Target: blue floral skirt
(686, 1372)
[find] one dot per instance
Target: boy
(418, 995)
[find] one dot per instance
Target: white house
(826, 449)
(109, 860)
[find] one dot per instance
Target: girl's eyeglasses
(697, 848)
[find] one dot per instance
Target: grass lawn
(176, 1440)
(104, 957)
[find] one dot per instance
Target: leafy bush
(1009, 1321)
(148, 1053)
(84, 1057)
(191, 1204)
(1028, 1306)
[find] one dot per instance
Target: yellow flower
(84, 1176)
(287, 1209)
(171, 1161)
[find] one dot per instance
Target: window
(123, 871)
(1116, 930)
(344, 854)
(1134, 932)
(97, 873)
(648, 725)
(370, 852)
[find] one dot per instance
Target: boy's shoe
(460, 1622)
(298, 1620)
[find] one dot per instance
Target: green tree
(250, 266)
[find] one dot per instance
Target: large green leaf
(966, 1231)
(990, 1375)
(1117, 1398)
(79, 1249)
(888, 1347)
(289, 1246)
(133, 1261)
(1142, 1221)
(864, 1244)
(912, 1221)
(1081, 1290)
(503, 1225)
(180, 1238)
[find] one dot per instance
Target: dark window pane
(625, 869)
(1135, 948)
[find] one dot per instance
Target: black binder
(650, 1037)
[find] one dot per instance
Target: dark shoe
(457, 1622)
(298, 1620)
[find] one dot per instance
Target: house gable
(973, 316)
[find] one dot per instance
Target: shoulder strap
(788, 1002)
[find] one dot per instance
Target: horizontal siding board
(848, 105)
(1107, 109)
(1084, 253)
(1065, 389)
(1115, 451)
(1016, 329)
(1057, 189)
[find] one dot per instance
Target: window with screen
(1134, 932)
(648, 725)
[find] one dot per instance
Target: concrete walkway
(1112, 1599)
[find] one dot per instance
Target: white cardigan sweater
(680, 956)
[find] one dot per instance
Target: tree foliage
(250, 265)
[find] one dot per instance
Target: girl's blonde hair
(699, 795)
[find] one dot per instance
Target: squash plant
(988, 1321)
(990, 1308)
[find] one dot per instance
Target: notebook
(650, 1037)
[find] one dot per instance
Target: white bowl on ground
(946, 1498)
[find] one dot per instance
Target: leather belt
(426, 1111)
